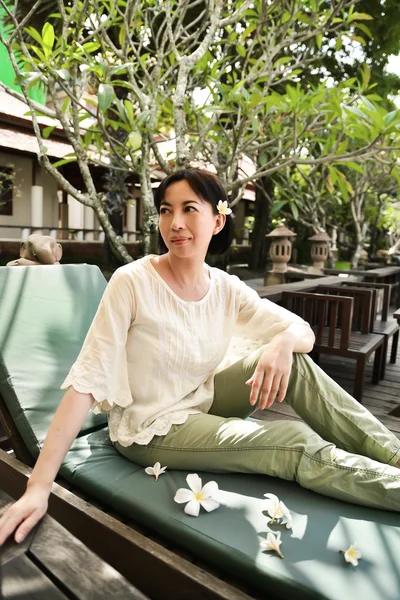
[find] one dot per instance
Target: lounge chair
(44, 315)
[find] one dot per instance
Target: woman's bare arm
(31, 507)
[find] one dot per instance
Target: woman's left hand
(271, 377)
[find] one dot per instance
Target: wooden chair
(386, 326)
(331, 317)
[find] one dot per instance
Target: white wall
(22, 166)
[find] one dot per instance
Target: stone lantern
(319, 250)
(280, 252)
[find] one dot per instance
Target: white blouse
(149, 357)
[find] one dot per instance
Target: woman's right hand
(23, 515)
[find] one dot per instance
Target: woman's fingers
(266, 387)
(258, 380)
(271, 392)
(8, 523)
(28, 524)
(283, 388)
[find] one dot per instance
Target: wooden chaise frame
(147, 561)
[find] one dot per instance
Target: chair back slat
(364, 305)
(386, 289)
(323, 312)
(332, 323)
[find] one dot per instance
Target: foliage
(131, 71)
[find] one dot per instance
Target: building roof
(23, 141)
(17, 109)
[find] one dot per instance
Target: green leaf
(366, 74)
(390, 117)
(129, 110)
(332, 174)
(276, 207)
(354, 166)
(255, 99)
(65, 105)
(374, 97)
(359, 17)
(48, 38)
(343, 188)
(134, 140)
(47, 131)
(34, 34)
(40, 54)
(318, 40)
(241, 50)
(248, 31)
(364, 29)
(295, 210)
(90, 47)
(64, 161)
(105, 95)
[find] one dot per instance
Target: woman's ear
(219, 223)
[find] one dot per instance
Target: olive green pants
(343, 451)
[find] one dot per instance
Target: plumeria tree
(221, 79)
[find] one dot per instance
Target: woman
(154, 360)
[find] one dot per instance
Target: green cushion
(229, 537)
(45, 313)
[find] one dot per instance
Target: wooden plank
(22, 579)
(63, 555)
(131, 553)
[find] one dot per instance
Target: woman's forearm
(64, 428)
(299, 337)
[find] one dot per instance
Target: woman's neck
(187, 279)
(188, 272)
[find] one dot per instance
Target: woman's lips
(180, 241)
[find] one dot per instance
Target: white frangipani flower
(272, 543)
(278, 510)
(197, 495)
(156, 470)
(223, 209)
(351, 555)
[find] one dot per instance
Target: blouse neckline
(171, 291)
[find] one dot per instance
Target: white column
(37, 207)
(75, 216)
(89, 222)
(131, 219)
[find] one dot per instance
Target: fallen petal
(194, 482)
(210, 489)
(192, 508)
(209, 504)
(183, 495)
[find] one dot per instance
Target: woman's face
(187, 223)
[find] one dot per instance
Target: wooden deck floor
(383, 400)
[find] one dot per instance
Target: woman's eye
(190, 208)
(163, 211)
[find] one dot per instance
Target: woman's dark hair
(208, 187)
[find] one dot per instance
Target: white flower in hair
(223, 208)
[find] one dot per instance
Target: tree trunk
(262, 222)
(110, 260)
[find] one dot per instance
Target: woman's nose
(178, 221)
